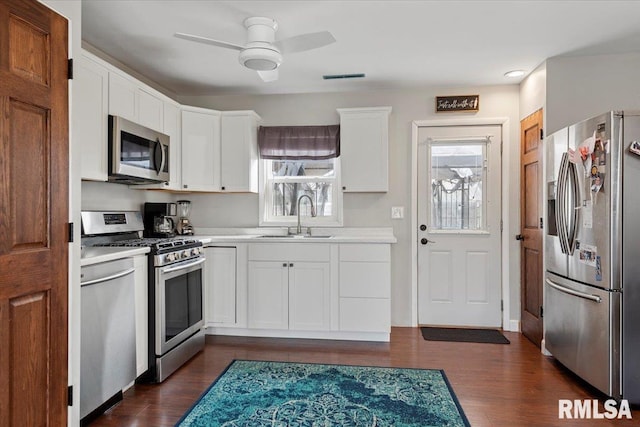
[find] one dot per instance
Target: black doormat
(490, 336)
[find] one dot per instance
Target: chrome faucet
(313, 211)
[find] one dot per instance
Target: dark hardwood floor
(497, 385)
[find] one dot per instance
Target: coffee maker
(157, 219)
(184, 226)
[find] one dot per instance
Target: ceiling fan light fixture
(260, 59)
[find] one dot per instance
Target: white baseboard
(514, 326)
(543, 349)
(326, 335)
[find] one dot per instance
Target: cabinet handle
(284, 264)
(291, 265)
(344, 188)
(222, 188)
(185, 186)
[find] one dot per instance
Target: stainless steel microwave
(137, 155)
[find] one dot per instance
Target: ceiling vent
(343, 76)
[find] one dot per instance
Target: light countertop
(210, 237)
(94, 255)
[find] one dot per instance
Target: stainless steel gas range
(175, 287)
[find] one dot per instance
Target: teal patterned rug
(279, 394)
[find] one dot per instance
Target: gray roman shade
(299, 142)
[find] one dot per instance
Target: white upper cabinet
(239, 151)
(89, 119)
(364, 149)
(129, 100)
(122, 97)
(219, 150)
(200, 149)
(150, 111)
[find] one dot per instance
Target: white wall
(104, 196)
(585, 86)
(368, 210)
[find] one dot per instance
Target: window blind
(299, 142)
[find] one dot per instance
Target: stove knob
(195, 251)
(170, 257)
(186, 253)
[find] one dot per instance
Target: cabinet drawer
(365, 314)
(289, 252)
(365, 279)
(365, 252)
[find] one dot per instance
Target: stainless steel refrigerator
(592, 251)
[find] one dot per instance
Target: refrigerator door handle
(574, 206)
(594, 298)
(562, 205)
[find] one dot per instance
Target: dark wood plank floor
(497, 385)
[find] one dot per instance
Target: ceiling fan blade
(269, 76)
(305, 42)
(207, 40)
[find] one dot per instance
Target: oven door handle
(183, 266)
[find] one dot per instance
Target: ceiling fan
(261, 52)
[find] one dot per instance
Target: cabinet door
(171, 127)
(309, 296)
(122, 97)
(239, 151)
(364, 149)
(268, 295)
(91, 95)
(220, 286)
(150, 111)
(142, 318)
(200, 151)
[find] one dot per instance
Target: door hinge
(541, 134)
(70, 69)
(501, 305)
(501, 226)
(541, 312)
(541, 223)
(70, 237)
(70, 395)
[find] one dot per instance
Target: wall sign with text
(458, 103)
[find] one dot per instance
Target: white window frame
(265, 196)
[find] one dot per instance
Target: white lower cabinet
(268, 295)
(301, 290)
(365, 291)
(221, 286)
(289, 295)
(142, 313)
(289, 287)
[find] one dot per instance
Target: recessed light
(514, 73)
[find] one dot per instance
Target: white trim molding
(507, 323)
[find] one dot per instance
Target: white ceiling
(395, 43)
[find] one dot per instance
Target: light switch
(397, 212)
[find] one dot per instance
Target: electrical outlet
(397, 212)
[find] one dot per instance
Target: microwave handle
(160, 167)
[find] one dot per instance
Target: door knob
(424, 241)
(423, 227)
(519, 237)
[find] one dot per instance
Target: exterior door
(33, 215)
(531, 182)
(459, 251)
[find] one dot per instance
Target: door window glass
(457, 172)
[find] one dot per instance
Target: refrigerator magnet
(587, 255)
(635, 148)
(598, 269)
